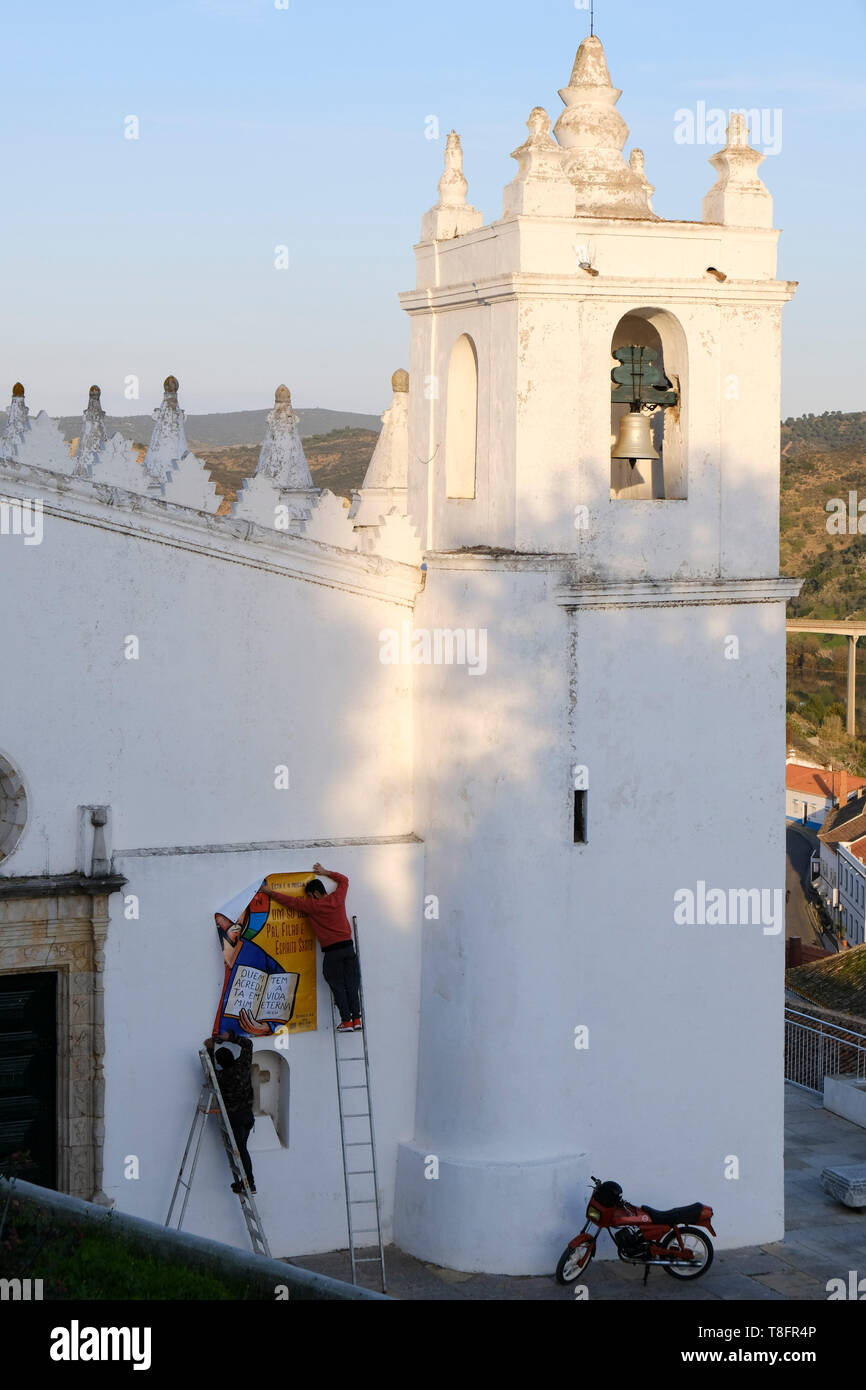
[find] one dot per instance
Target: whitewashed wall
(164, 974)
(252, 654)
(684, 1064)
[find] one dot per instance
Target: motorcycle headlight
(593, 1214)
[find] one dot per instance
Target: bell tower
(594, 471)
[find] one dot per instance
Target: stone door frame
(59, 924)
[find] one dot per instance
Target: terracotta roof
(819, 781)
(858, 849)
(837, 983)
(844, 823)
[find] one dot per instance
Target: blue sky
(304, 126)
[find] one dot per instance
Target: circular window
(13, 808)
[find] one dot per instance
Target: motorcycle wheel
(694, 1240)
(573, 1261)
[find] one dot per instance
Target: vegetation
(835, 429)
(822, 463)
(85, 1262)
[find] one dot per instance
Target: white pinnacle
(593, 134)
(282, 457)
(93, 435)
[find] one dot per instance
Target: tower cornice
(624, 289)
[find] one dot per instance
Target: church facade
(510, 692)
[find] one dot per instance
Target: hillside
(233, 429)
(824, 461)
(337, 460)
(833, 430)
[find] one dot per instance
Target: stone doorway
(28, 1074)
(56, 927)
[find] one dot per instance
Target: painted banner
(270, 961)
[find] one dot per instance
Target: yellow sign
(288, 937)
(269, 952)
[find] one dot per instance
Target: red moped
(642, 1236)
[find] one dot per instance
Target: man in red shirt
(327, 914)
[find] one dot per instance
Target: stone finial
(593, 134)
(168, 442)
(171, 470)
(282, 456)
(16, 424)
(636, 164)
(36, 442)
(282, 482)
(387, 478)
(452, 185)
(452, 215)
(738, 198)
(93, 435)
(99, 861)
(541, 187)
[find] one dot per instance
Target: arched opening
(270, 1080)
(461, 430)
(658, 346)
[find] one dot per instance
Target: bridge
(851, 629)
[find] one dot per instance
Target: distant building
(851, 866)
(842, 878)
(811, 791)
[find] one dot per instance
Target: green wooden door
(28, 1074)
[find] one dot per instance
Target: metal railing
(815, 1048)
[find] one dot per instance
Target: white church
(516, 692)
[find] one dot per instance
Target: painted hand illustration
(258, 1030)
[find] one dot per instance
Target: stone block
(847, 1184)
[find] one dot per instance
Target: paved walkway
(823, 1240)
(801, 917)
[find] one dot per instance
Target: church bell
(635, 438)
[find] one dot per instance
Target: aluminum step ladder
(358, 1139)
(210, 1102)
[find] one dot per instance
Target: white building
(534, 1014)
(852, 890)
(812, 790)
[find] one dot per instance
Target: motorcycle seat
(677, 1216)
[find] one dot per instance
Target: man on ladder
(234, 1075)
(327, 914)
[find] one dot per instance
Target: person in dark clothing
(327, 914)
(234, 1075)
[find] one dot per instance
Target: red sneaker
(357, 1025)
(346, 1027)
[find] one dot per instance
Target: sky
(304, 124)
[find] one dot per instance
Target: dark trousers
(242, 1122)
(340, 969)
